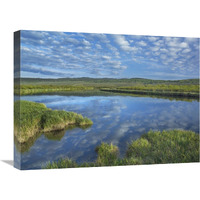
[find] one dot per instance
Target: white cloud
(98, 46)
(173, 54)
(121, 40)
(71, 40)
(186, 51)
(102, 38)
(106, 57)
(117, 54)
(85, 42)
(153, 59)
(23, 48)
(163, 50)
(154, 48)
(183, 44)
(147, 53)
(172, 44)
(123, 67)
(157, 53)
(95, 54)
(170, 60)
(175, 49)
(163, 56)
(158, 43)
(168, 39)
(176, 43)
(56, 42)
(142, 43)
(152, 39)
(191, 40)
(124, 44)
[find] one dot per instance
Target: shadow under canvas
(9, 162)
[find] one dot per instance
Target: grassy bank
(43, 89)
(31, 118)
(159, 89)
(155, 93)
(174, 146)
(179, 88)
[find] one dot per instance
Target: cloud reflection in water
(117, 119)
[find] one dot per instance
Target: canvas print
(91, 100)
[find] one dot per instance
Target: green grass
(42, 89)
(31, 118)
(163, 87)
(178, 88)
(62, 163)
(173, 146)
(159, 89)
(107, 154)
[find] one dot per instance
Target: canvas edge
(17, 66)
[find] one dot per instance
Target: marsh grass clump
(107, 154)
(140, 148)
(174, 146)
(83, 121)
(62, 163)
(27, 117)
(31, 118)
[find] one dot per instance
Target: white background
(144, 17)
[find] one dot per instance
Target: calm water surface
(117, 119)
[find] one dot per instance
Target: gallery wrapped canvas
(90, 100)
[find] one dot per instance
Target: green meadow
(176, 88)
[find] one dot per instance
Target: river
(116, 119)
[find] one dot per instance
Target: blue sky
(58, 55)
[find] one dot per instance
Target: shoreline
(179, 88)
(136, 92)
(31, 118)
(164, 93)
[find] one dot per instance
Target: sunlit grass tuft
(107, 154)
(62, 163)
(173, 146)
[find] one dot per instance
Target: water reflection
(117, 119)
(52, 135)
(27, 145)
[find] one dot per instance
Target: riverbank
(177, 88)
(173, 146)
(31, 118)
(43, 89)
(165, 91)
(155, 93)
